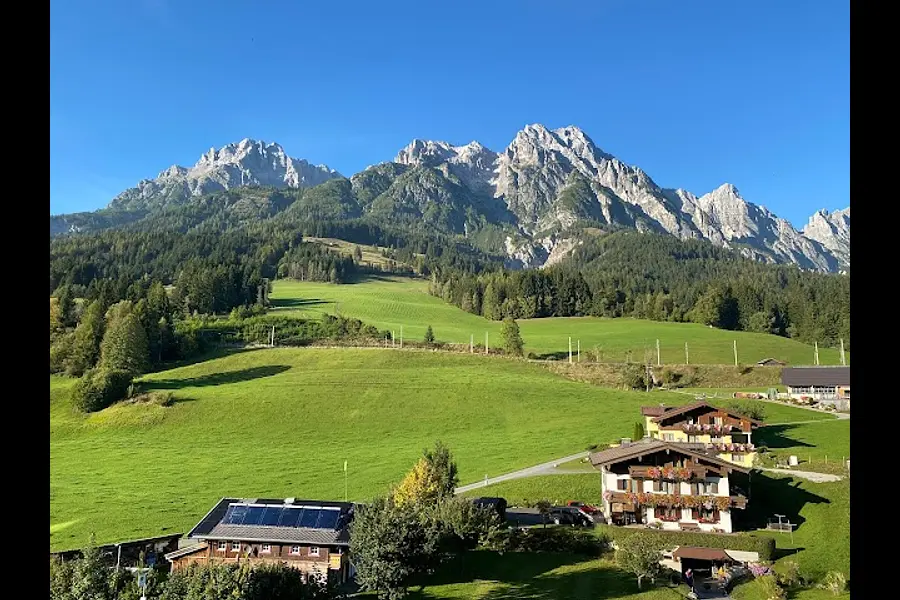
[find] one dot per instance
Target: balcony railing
(721, 447)
(669, 473)
(676, 500)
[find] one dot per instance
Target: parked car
(591, 512)
(568, 515)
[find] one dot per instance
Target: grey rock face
(550, 180)
(832, 230)
(248, 162)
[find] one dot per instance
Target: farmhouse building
(678, 485)
(830, 385)
(309, 535)
(725, 433)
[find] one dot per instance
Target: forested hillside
(662, 278)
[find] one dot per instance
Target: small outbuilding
(822, 384)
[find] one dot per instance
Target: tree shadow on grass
(521, 575)
(773, 437)
(770, 496)
(564, 355)
(217, 378)
(288, 303)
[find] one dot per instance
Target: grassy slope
(280, 422)
(389, 302)
(490, 576)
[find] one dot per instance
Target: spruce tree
(86, 340)
(429, 335)
(512, 339)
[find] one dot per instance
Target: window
(717, 420)
(313, 550)
(295, 549)
(266, 549)
(738, 458)
(710, 487)
(222, 546)
(235, 546)
(622, 484)
(708, 515)
(669, 487)
(692, 438)
(668, 437)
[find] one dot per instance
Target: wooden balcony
(684, 501)
(693, 472)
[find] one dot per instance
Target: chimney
(290, 500)
(625, 441)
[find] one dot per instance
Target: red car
(591, 512)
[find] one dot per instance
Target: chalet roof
(812, 376)
(654, 411)
(186, 551)
(215, 525)
(679, 410)
(618, 454)
(696, 553)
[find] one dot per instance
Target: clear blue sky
(696, 93)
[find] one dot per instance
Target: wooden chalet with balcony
(309, 535)
(724, 432)
(677, 485)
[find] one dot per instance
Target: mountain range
(533, 197)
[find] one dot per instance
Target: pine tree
(429, 335)
(512, 339)
(638, 431)
(357, 253)
(125, 346)
(86, 340)
(66, 300)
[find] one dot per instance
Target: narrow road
(540, 469)
(810, 475)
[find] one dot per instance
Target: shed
(701, 560)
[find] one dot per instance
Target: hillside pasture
(389, 303)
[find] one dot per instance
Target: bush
(634, 377)
(98, 388)
(835, 582)
(752, 408)
(549, 539)
(765, 546)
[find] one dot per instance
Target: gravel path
(810, 475)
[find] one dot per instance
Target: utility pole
(570, 350)
(486, 349)
(401, 337)
(273, 336)
(658, 360)
(393, 343)
(735, 353)
(471, 343)
(817, 354)
(579, 350)
(345, 481)
(843, 358)
(687, 357)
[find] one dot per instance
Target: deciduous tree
(639, 554)
(512, 339)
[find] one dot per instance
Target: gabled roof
(214, 527)
(612, 456)
(679, 410)
(812, 376)
(186, 551)
(654, 411)
(697, 553)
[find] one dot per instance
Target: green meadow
(394, 302)
(281, 422)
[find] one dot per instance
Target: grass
(483, 575)
(558, 489)
(280, 422)
(820, 445)
(391, 302)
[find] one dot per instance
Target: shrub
(752, 408)
(634, 377)
(548, 539)
(769, 588)
(765, 546)
(835, 582)
(669, 376)
(98, 388)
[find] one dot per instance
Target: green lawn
(490, 576)
(392, 302)
(558, 489)
(280, 422)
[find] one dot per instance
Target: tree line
(661, 278)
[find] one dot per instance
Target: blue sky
(696, 93)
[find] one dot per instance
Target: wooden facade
(307, 558)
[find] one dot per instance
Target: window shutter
(695, 488)
(656, 485)
(715, 487)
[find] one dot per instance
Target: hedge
(765, 546)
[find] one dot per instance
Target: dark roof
(185, 551)
(212, 528)
(678, 410)
(811, 376)
(716, 554)
(654, 411)
(633, 450)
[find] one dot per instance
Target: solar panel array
(282, 516)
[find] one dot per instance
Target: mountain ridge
(537, 189)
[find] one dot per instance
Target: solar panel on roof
(309, 518)
(328, 519)
(235, 514)
(254, 515)
(290, 517)
(272, 515)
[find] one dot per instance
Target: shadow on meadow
(530, 575)
(770, 496)
(774, 437)
(217, 378)
(288, 303)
